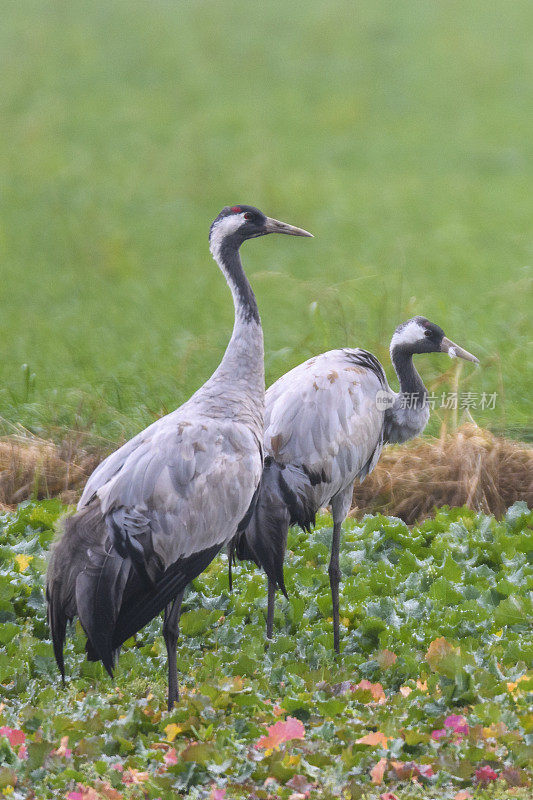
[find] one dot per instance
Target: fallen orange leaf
(386, 658)
(374, 739)
(133, 775)
(107, 791)
(437, 650)
(513, 684)
(375, 689)
(378, 770)
(496, 730)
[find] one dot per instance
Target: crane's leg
(270, 608)
(340, 505)
(170, 632)
(334, 581)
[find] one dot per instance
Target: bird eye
(247, 215)
(427, 333)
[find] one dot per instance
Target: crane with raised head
(157, 511)
(326, 422)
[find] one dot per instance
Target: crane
(156, 511)
(326, 422)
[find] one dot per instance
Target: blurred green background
(400, 134)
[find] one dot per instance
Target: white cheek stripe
(413, 332)
(224, 227)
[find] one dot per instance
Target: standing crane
(157, 511)
(326, 422)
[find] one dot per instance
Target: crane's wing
(177, 498)
(323, 415)
(191, 483)
(111, 465)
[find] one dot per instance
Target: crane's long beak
(454, 351)
(275, 226)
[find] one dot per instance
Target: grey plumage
(322, 431)
(155, 512)
(326, 422)
(323, 417)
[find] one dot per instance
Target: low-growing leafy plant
(428, 699)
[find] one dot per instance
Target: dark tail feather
(99, 592)
(85, 530)
(113, 600)
(136, 614)
(58, 626)
(284, 499)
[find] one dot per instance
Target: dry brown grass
(469, 467)
(31, 467)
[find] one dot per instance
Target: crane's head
(419, 335)
(235, 224)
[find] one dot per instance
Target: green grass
(399, 133)
(461, 581)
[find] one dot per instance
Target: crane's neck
(227, 256)
(239, 380)
(409, 413)
(410, 381)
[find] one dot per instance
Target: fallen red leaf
(457, 724)
(485, 775)
(84, 793)
(13, 735)
(170, 757)
(282, 732)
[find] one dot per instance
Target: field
(430, 698)
(399, 133)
